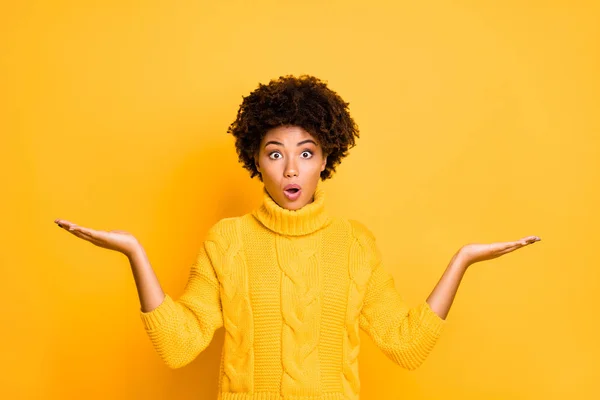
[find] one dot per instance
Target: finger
(500, 248)
(529, 239)
(509, 249)
(504, 246)
(519, 243)
(512, 246)
(62, 223)
(78, 231)
(85, 232)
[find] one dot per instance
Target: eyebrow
(299, 143)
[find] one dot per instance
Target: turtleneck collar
(303, 221)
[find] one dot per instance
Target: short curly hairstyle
(303, 101)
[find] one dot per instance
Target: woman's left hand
(476, 252)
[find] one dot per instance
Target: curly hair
(303, 101)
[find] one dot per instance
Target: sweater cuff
(431, 321)
(155, 318)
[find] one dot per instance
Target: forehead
(287, 134)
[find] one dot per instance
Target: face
(290, 155)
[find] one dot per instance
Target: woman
(291, 284)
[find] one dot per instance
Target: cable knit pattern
(301, 313)
(359, 273)
(292, 289)
(237, 315)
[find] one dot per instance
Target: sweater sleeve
(405, 334)
(180, 329)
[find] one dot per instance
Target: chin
(295, 207)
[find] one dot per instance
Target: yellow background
(479, 123)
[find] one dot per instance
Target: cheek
(320, 165)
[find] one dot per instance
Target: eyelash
(276, 151)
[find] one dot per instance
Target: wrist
(133, 250)
(460, 261)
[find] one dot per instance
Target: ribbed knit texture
(292, 289)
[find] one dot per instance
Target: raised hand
(476, 252)
(121, 241)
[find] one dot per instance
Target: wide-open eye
(271, 154)
(308, 152)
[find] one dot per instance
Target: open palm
(121, 241)
(476, 252)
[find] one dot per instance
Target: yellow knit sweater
(292, 288)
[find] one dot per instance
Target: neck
(302, 221)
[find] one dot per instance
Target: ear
(324, 163)
(256, 164)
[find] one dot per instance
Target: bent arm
(181, 329)
(405, 335)
(441, 298)
(148, 287)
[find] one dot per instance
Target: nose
(291, 170)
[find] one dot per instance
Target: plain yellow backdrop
(479, 122)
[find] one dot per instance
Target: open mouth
(293, 193)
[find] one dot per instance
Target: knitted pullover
(291, 288)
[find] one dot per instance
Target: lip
(292, 196)
(292, 186)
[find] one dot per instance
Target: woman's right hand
(121, 241)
